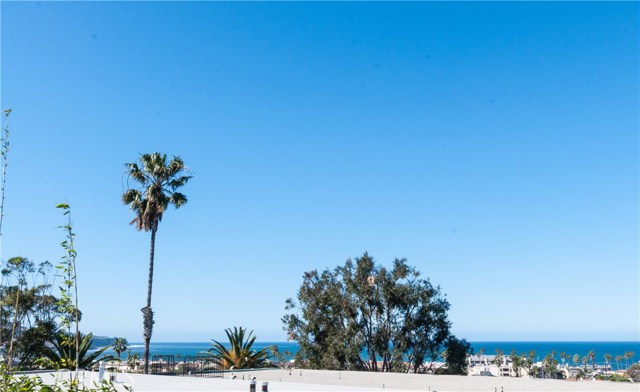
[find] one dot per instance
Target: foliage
(120, 346)
(240, 355)
(612, 377)
(607, 359)
(63, 353)
(282, 357)
(457, 352)
(516, 362)
(633, 372)
(156, 188)
(26, 284)
(132, 360)
(391, 314)
(69, 291)
(550, 366)
(4, 162)
(527, 361)
(497, 360)
(10, 382)
(627, 356)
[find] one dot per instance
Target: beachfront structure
(484, 365)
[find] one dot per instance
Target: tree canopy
(363, 316)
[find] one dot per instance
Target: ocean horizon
(542, 348)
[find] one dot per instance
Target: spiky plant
(63, 353)
(239, 355)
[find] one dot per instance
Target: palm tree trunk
(146, 311)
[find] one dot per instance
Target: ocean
(541, 348)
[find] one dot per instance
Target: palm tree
(63, 353)
(576, 359)
(120, 346)
(627, 356)
(592, 357)
(132, 360)
(607, 359)
(563, 357)
(239, 355)
(618, 360)
(157, 183)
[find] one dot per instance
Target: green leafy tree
(156, 183)
(62, 354)
(457, 351)
(240, 354)
(618, 361)
(497, 360)
(120, 346)
(20, 267)
(633, 372)
(389, 314)
(26, 284)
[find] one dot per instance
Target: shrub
(10, 382)
(633, 372)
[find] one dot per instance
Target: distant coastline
(541, 348)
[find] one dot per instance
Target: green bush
(633, 372)
(612, 377)
(10, 382)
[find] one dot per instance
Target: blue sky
(494, 145)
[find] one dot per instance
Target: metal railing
(194, 366)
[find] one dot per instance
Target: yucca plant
(239, 355)
(63, 353)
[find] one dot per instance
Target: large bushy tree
(155, 183)
(28, 310)
(389, 314)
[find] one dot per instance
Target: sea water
(541, 349)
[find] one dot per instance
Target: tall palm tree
(592, 357)
(607, 359)
(157, 182)
(627, 356)
(618, 360)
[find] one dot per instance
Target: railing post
(252, 386)
(265, 387)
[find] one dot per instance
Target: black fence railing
(195, 366)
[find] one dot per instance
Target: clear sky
(494, 145)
